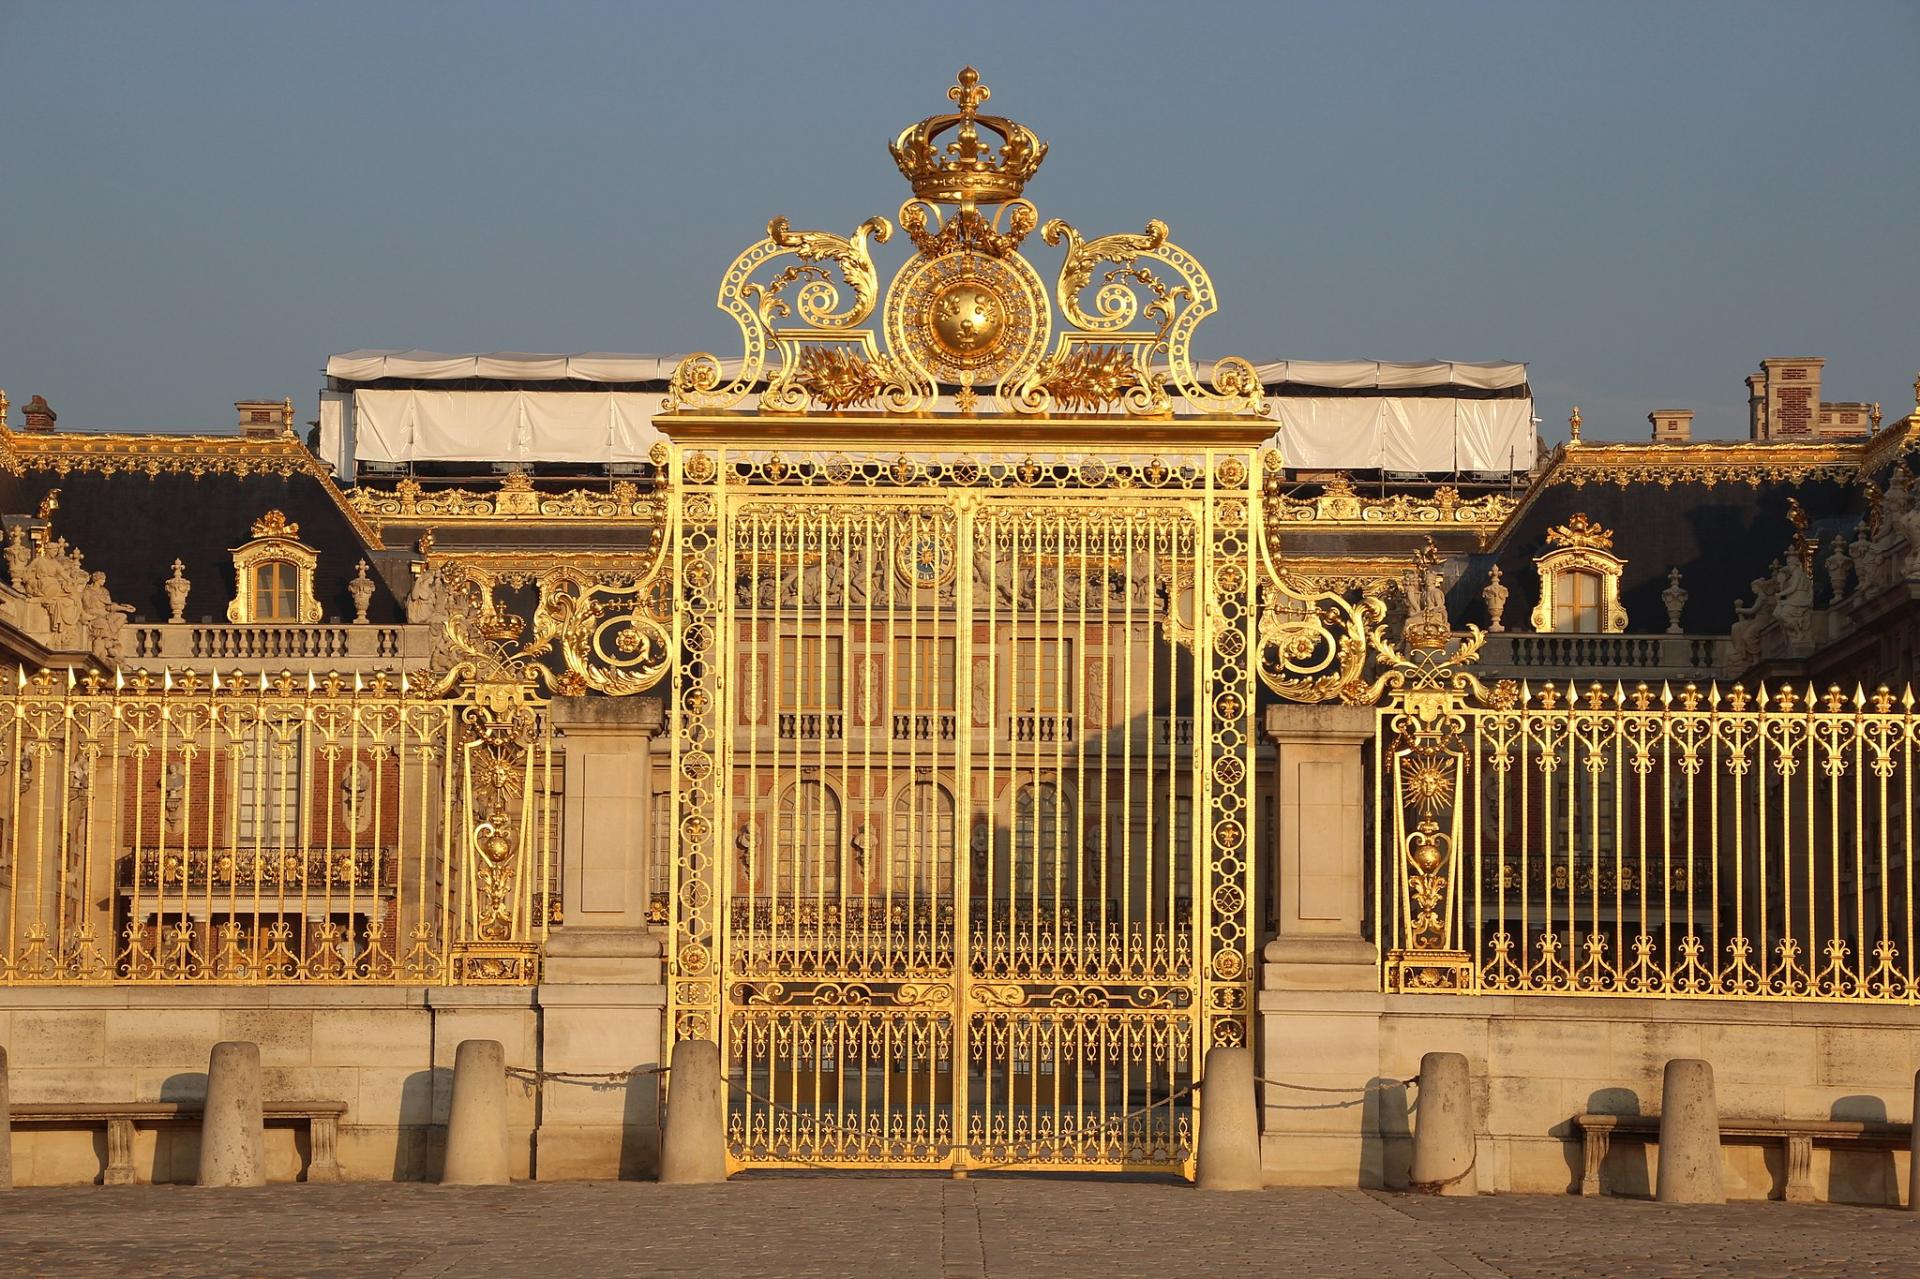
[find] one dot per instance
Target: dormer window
(273, 575)
(1579, 581)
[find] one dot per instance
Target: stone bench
(1797, 1137)
(322, 1119)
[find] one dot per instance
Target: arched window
(1043, 834)
(276, 591)
(1577, 600)
(808, 848)
(920, 858)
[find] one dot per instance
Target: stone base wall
(386, 1052)
(1538, 1061)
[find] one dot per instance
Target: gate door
(964, 789)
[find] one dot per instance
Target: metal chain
(1383, 1086)
(586, 1078)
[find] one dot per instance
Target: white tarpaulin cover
(502, 426)
(1424, 428)
(1393, 433)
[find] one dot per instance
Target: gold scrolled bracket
(1132, 294)
(1313, 643)
(804, 291)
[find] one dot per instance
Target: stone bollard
(693, 1144)
(6, 1127)
(1689, 1167)
(477, 1123)
(1443, 1139)
(233, 1144)
(1913, 1150)
(1229, 1155)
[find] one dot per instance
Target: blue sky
(198, 202)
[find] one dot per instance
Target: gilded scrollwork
(967, 310)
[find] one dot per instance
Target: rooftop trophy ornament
(177, 588)
(1495, 595)
(967, 314)
(1675, 598)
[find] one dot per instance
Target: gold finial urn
(967, 171)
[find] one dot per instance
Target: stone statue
(1865, 566)
(105, 619)
(1839, 569)
(19, 555)
(361, 588)
(1794, 603)
(426, 602)
(177, 587)
(1675, 598)
(173, 793)
(1495, 594)
(1427, 625)
(356, 789)
(1749, 620)
(79, 783)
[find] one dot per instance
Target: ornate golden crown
(967, 171)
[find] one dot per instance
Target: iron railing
(1664, 842)
(261, 829)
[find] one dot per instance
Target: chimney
(40, 415)
(1671, 426)
(265, 418)
(1757, 406)
(1791, 385)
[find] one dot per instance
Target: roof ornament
(1581, 533)
(1573, 426)
(275, 524)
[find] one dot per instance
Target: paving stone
(987, 1227)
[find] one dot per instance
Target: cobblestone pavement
(876, 1228)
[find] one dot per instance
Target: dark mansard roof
(132, 526)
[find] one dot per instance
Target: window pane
(923, 673)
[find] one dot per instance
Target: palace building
(965, 704)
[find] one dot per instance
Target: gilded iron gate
(963, 873)
(968, 602)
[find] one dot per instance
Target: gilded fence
(1672, 842)
(188, 828)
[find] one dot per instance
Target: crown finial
(967, 170)
(968, 93)
(1573, 426)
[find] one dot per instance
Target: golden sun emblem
(967, 319)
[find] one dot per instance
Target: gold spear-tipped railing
(1692, 841)
(197, 828)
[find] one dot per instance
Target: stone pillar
(607, 811)
(694, 1150)
(1913, 1150)
(1319, 1001)
(477, 1126)
(602, 996)
(1689, 1171)
(6, 1127)
(1443, 1137)
(1229, 1154)
(1319, 868)
(232, 1128)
